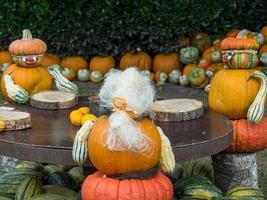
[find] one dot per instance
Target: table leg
(231, 169)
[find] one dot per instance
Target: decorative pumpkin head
(102, 63)
(97, 186)
(247, 137)
(166, 63)
(189, 55)
(138, 59)
(28, 51)
(123, 143)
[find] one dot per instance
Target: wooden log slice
(53, 100)
(15, 120)
(176, 110)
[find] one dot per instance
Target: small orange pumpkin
(27, 45)
(49, 59)
(101, 63)
(204, 63)
(5, 57)
(138, 59)
(247, 137)
(97, 186)
(263, 31)
(166, 63)
(188, 68)
(118, 162)
(74, 62)
(68, 73)
(263, 49)
(208, 52)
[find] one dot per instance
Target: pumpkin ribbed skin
(166, 63)
(231, 93)
(98, 187)
(74, 62)
(33, 79)
(118, 162)
(238, 43)
(247, 137)
(139, 59)
(102, 63)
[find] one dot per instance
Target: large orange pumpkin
(5, 57)
(102, 63)
(166, 62)
(231, 93)
(74, 62)
(247, 137)
(138, 59)
(97, 186)
(32, 79)
(118, 162)
(49, 59)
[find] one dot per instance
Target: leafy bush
(80, 27)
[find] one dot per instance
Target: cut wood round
(15, 120)
(176, 110)
(53, 100)
(232, 169)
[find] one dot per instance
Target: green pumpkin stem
(26, 34)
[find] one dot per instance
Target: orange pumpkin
(247, 137)
(263, 31)
(208, 52)
(49, 59)
(188, 68)
(263, 49)
(138, 59)
(74, 62)
(5, 57)
(166, 62)
(238, 43)
(97, 186)
(233, 33)
(214, 67)
(102, 63)
(118, 162)
(33, 79)
(68, 74)
(27, 45)
(231, 93)
(201, 41)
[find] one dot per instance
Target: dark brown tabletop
(51, 136)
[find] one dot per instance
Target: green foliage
(80, 27)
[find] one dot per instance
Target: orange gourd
(188, 68)
(247, 137)
(138, 59)
(74, 62)
(166, 63)
(97, 186)
(49, 59)
(32, 79)
(231, 93)
(5, 57)
(102, 63)
(118, 162)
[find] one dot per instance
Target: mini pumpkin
(207, 54)
(96, 77)
(138, 59)
(202, 41)
(97, 186)
(189, 55)
(174, 76)
(83, 75)
(197, 77)
(166, 63)
(101, 63)
(74, 62)
(188, 68)
(68, 73)
(161, 77)
(118, 162)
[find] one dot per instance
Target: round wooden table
(51, 136)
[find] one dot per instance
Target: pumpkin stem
(242, 34)
(26, 34)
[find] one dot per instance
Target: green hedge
(80, 27)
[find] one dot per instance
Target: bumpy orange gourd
(138, 59)
(118, 162)
(96, 186)
(5, 57)
(231, 93)
(74, 62)
(247, 137)
(165, 63)
(27, 45)
(32, 79)
(49, 59)
(102, 63)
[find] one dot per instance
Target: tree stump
(176, 110)
(53, 100)
(15, 120)
(231, 169)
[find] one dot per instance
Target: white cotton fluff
(137, 90)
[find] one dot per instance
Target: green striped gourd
(79, 150)
(62, 83)
(77, 172)
(60, 190)
(243, 191)
(64, 179)
(30, 187)
(15, 92)
(256, 109)
(52, 168)
(29, 165)
(48, 196)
